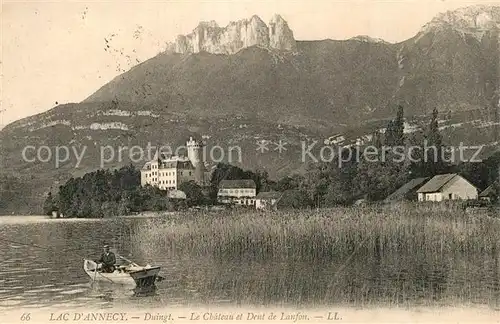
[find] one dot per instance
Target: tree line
(327, 184)
(106, 193)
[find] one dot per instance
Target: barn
(449, 186)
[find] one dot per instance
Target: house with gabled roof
(451, 186)
(238, 192)
(408, 191)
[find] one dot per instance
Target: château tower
(195, 155)
(194, 151)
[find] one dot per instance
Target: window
(450, 196)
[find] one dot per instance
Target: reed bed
(400, 255)
(430, 231)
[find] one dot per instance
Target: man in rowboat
(107, 260)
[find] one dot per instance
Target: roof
(490, 191)
(269, 195)
(146, 166)
(407, 188)
(176, 164)
(233, 184)
(439, 181)
(171, 164)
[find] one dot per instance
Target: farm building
(447, 187)
(408, 191)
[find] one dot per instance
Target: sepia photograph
(291, 161)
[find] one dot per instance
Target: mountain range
(252, 81)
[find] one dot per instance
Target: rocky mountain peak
(208, 24)
(280, 35)
(368, 39)
(469, 20)
(209, 37)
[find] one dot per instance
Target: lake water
(52, 276)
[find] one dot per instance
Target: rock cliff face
(473, 20)
(280, 35)
(209, 37)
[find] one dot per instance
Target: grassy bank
(428, 230)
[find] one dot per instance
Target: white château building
(168, 172)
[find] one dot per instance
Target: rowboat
(129, 275)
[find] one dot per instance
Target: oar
(129, 261)
(95, 273)
(106, 278)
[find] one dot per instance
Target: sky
(55, 52)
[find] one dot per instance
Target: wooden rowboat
(133, 274)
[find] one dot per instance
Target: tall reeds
(396, 254)
(325, 234)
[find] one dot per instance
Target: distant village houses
(441, 187)
(169, 172)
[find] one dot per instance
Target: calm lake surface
(53, 277)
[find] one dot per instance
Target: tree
(433, 155)
(399, 127)
(49, 205)
(295, 199)
(288, 183)
(377, 140)
(395, 130)
(104, 193)
(496, 192)
(389, 134)
(262, 182)
(194, 193)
